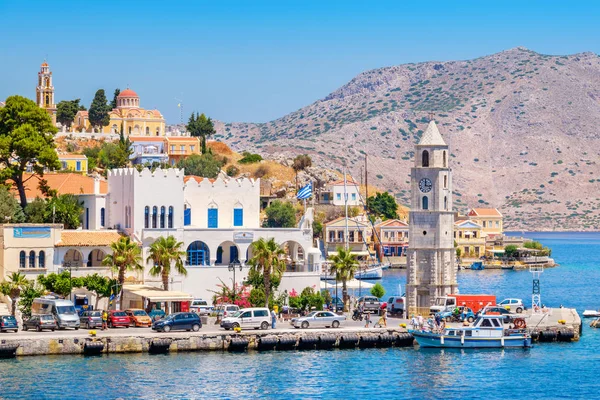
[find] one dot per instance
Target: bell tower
(44, 92)
(431, 255)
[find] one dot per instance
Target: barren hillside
(522, 127)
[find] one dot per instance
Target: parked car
(396, 305)
(318, 319)
(465, 313)
(118, 318)
(507, 316)
(514, 305)
(370, 303)
(248, 318)
(181, 321)
(139, 317)
(336, 304)
(91, 319)
(8, 323)
(63, 311)
(40, 322)
(226, 310)
(201, 307)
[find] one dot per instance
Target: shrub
(378, 290)
(302, 162)
(261, 171)
(233, 171)
(250, 158)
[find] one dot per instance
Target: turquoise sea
(547, 371)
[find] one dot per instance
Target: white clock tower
(431, 255)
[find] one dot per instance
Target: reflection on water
(542, 372)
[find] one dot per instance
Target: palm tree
(344, 267)
(267, 260)
(12, 288)
(126, 256)
(163, 252)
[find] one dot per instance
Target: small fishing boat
(591, 314)
(477, 266)
(375, 272)
(486, 332)
(507, 267)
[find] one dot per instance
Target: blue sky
(256, 61)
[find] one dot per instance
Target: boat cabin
(485, 326)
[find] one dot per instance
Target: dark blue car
(8, 323)
(181, 321)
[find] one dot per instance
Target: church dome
(128, 93)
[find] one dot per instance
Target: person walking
(382, 322)
(104, 320)
(273, 319)
(367, 319)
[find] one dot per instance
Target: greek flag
(111, 298)
(305, 192)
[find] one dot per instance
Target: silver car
(318, 319)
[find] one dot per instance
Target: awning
(356, 253)
(352, 284)
(497, 251)
(155, 294)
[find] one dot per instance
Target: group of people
(432, 324)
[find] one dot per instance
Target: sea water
(546, 371)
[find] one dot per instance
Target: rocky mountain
(522, 129)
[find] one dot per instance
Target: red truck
(475, 302)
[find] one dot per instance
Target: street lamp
(232, 267)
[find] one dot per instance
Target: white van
(200, 307)
(248, 318)
(63, 311)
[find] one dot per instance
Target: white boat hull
(591, 314)
(371, 273)
(428, 339)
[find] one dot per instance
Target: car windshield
(66, 310)
(312, 314)
(140, 313)
(120, 314)
(237, 314)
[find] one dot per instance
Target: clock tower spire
(44, 91)
(431, 255)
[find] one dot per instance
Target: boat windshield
(477, 321)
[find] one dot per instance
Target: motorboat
(372, 273)
(508, 267)
(487, 331)
(477, 266)
(591, 313)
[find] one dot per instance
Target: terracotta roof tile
(87, 238)
(70, 183)
(485, 212)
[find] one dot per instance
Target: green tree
(201, 126)
(511, 250)
(66, 111)
(344, 266)
(62, 284)
(92, 156)
(64, 209)
(102, 286)
(35, 212)
(249, 158)
(205, 165)
(267, 259)
(113, 155)
(26, 142)
(126, 256)
(301, 162)
(280, 215)
(533, 245)
(458, 252)
(377, 290)
(317, 229)
(98, 114)
(113, 103)
(383, 205)
(12, 287)
(10, 210)
(28, 294)
(164, 253)
(310, 299)
(256, 279)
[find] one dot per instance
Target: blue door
(219, 255)
(238, 217)
(187, 216)
(233, 254)
(213, 218)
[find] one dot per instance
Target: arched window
(162, 217)
(22, 257)
(198, 254)
(146, 217)
(147, 131)
(129, 129)
(154, 216)
(42, 259)
(170, 216)
(32, 259)
(102, 221)
(445, 203)
(425, 158)
(425, 203)
(445, 181)
(444, 159)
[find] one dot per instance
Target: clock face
(425, 185)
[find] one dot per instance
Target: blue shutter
(187, 216)
(238, 217)
(213, 218)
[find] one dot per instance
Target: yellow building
(180, 147)
(74, 163)
(128, 117)
(469, 238)
(490, 220)
(44, 91)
